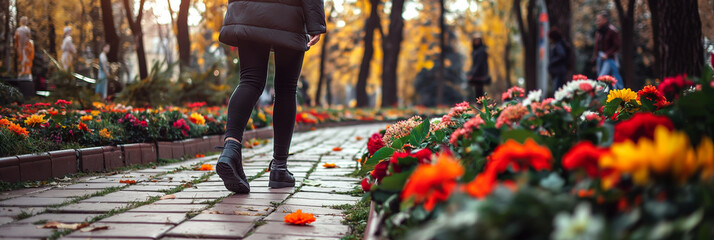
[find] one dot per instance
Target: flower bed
(588, 164)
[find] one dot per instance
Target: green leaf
(611, 107)
(397, 144)
(648, 105)
(382, 153)
(419, 132)
(520, 135)
(395, 182)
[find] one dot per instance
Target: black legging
(253, 73)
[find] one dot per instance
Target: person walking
(68, 49)
(288, 28)
(478, 75)
(607, 44)
(103, 75)
(558, 59)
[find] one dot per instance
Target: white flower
(573, 87)
(533, 96)
(580, 226)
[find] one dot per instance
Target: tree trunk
(442, 44)
(321, 78)
(5, 36)
(529, 37)
(110, 32)
(560, 16)
(507, 60)
(51, 35)
(391, 48)
(627, 25)
(182, 36)
(371, 24)
(135, 25)
(680, 37)
(654, 8)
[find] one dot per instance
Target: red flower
(380, 170)
(143, 123)
(651, 93)
(181, 124)
(83, 127)
(585, 87)
(366, 186)
(607, 79)
(672, 86)
(481, 186)
(584, 155)
(424, 156)
(375, 143)
(519, 157)
(63, 103)
(431, 184)
(639, 126)
(579, 77)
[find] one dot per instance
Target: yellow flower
(98, 105)
(86, 118)
(94, 113)
(261, 116)
(625, 94)
(35, 119)
(197, 118)
(705, 157)
(105, 133)
(669, 154)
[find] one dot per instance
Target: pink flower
(511, 115)
(579, 77)
(585, 87)
(465, 131)
(374, 143)
(512, 93)
(181, 124)
(607, 79)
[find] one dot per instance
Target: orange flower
(4, 122)
(83, 127)
(206, 167)
(86, 118)
(430, 184)
(481, 186)
(520, 156)
(337, 149)
(299, 218)
(127, 181)
(329, 165)
(17, 129)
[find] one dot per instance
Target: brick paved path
(202, 207)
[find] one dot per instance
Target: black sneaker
(230, 168)
(280, 177)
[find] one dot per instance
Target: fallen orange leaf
(337, 149)
(299, 218)
(312, 129)
(329, 165)
(127, 181)
(170, 196)
(358, 138)
(206, 167)
(200, 155)
(60, 225)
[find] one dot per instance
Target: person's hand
(313, 40)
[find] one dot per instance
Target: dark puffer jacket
(283, 23)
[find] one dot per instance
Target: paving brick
(10, 231)
(315, 195)
(62, 193)
(9, 169)
(22, 192)
(65, 218)
(276, 228)
(63, 162)
(211, 229)
(246, 210)
(31, 202)
(6, 220)
(317, 203)
(89, 185)
(201, 195)
(264, 236)
(89, 207)
(124, 230)
(139, 217)
(271, 196)
(169, 208)
(286, 208)
(250, 201)
(124, 197)
(319, 219)
(14, 211)
(224, 218)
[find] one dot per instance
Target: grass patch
(342, 207)
(356, 217)
(22, 215)
(356, 192)
(260, 223)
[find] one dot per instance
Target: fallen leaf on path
(206, 167)
(299, 218)
(60, 225)
(200, 155)
(329, 165)
(170, 196)
(358, 138)
(127, 181)
(337, 149)
(92, 229)
(212, 212)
